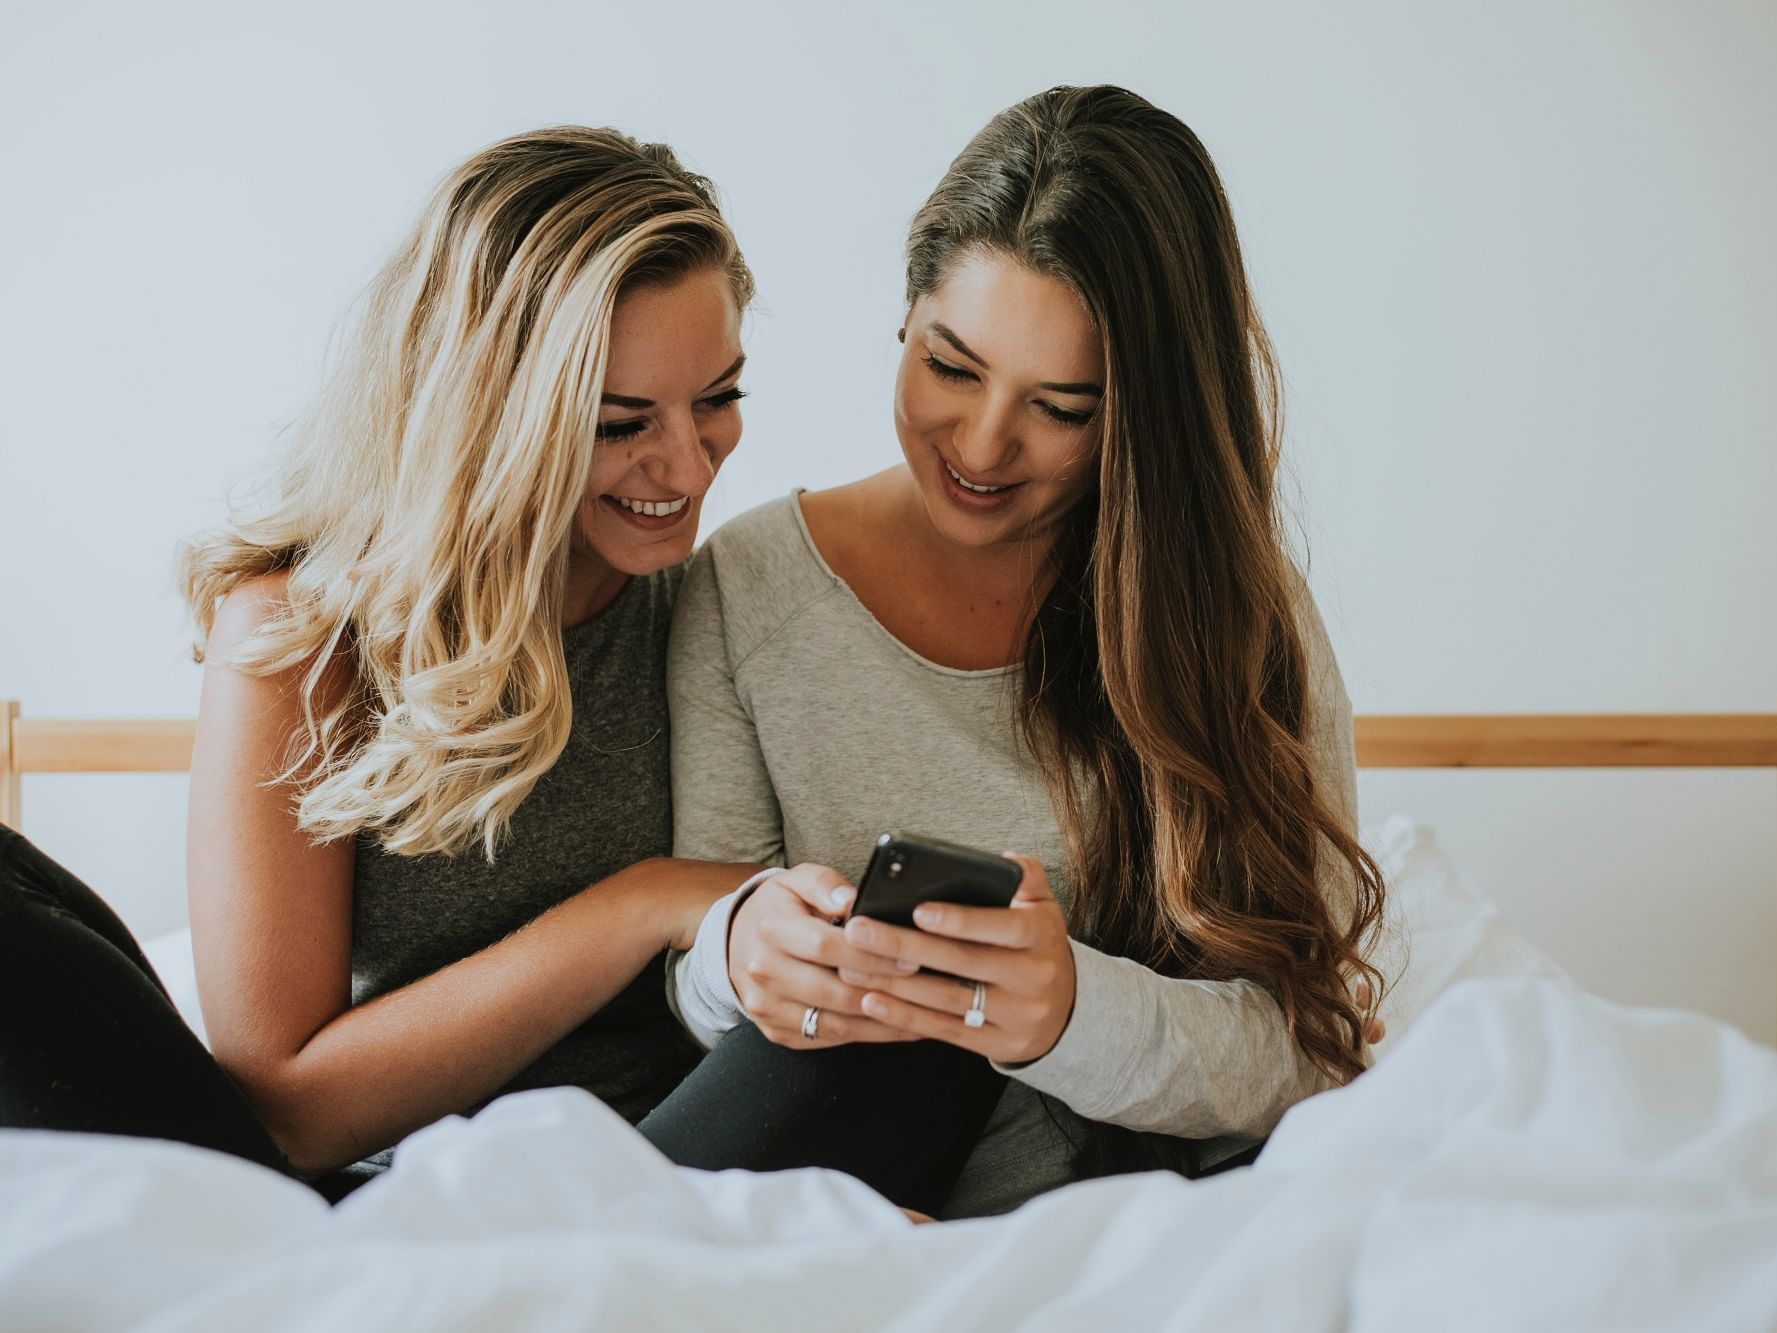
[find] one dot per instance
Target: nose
(683, 462)
(986, 437)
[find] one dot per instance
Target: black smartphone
(906, 870)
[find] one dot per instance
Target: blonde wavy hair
(425, 506)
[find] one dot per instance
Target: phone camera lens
(895, 867)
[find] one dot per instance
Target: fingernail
(840, 897)
(906, 965)
(873, 1004)
(925, 915)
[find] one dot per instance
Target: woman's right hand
(784, 952)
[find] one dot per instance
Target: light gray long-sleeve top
(801, 730)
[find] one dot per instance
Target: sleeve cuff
(1103, 1038)
(698, 989)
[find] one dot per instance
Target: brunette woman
(1066, 626)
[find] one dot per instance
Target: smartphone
(906, 870)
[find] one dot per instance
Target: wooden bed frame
(1491, 740)
(1549, 740)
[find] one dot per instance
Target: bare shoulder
(246, 607)
(271, 704)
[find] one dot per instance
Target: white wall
(1516, 258)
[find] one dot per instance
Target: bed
(1524, 1155)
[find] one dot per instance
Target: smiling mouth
(651, 508)
(971, 487)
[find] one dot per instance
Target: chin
(963, 529)
(638, 554)
(652, 561)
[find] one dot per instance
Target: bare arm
(271, 916)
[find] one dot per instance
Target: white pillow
(1436, 932)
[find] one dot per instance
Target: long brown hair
(1165, 678)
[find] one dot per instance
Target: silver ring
(977, 1014)
(811, 1022)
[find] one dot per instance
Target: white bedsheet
(1527, 1157)
(1523, 1156)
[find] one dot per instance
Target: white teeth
(970, 486)
(654, 508)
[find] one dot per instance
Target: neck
(591, 586)
(1011, 571)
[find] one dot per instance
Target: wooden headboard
(1482, 740)
(1536, 740)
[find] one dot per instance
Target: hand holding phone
(1015, 962)
(906, 870)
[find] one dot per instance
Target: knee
(16, 900)
(13, 847)
(25, 887)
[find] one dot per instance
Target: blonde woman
(430, 806)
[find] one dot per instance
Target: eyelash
(945, 371)
(611, 432)
(956, 375)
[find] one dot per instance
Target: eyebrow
(624, 400)
(1085, 387)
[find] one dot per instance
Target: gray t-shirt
(802, 729)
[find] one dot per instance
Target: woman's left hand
(1020, 955)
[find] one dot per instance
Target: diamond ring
(977, 1014)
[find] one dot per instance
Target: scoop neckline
(814, 553)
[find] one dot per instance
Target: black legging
(91, 1041)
